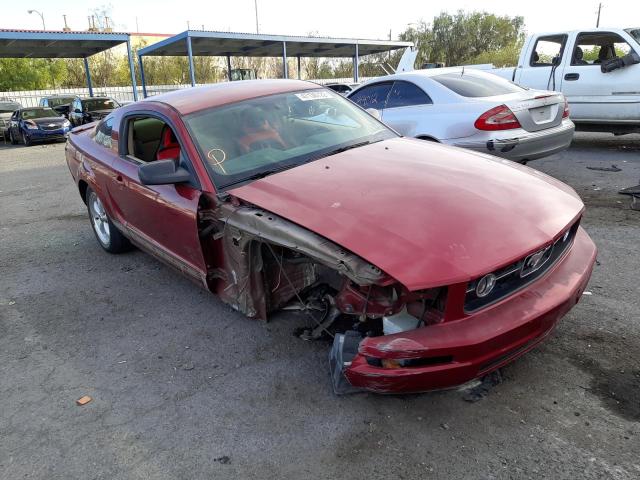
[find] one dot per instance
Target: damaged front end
(387, 338)
(261, 262)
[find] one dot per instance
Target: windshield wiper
(259, 175)
(345, 148)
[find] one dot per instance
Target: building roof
(56, 44)
(206, 43)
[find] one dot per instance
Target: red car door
(159, 218)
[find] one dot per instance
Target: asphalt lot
(183, 387)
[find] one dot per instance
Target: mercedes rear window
(475, 86)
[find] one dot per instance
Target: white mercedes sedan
(471, 109)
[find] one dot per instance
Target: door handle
(572, 76)
(118, 178)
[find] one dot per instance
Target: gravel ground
(183, 387)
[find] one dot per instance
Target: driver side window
(150, 139)
(594, 48)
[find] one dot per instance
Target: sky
(339, 18)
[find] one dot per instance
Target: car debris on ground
(83, 400)
(612, 168)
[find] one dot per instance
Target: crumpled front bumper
(473, 346)
(522, 145)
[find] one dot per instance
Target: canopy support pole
(142, 79)
(299, 70)
(229, 67)
(88, 74)
(285, 72)
(132, 71)
(356, 60)
(192, 73)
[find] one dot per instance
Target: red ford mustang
(430, 265)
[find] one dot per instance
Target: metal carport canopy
(58, 44)
(226, 44)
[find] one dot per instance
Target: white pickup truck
(598, 71)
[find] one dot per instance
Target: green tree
(457, 39)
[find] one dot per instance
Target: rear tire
(108, 236)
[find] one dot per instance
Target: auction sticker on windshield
(306, 96)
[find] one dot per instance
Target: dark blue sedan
(37, 124)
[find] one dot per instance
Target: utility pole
(255, 4)
(599, 9)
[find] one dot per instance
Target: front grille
(516, 276)
(47, 126)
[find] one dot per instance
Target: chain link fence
(31, 98)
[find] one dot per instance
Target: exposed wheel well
(428, 138)
(82, 187)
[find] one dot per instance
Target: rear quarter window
(103, 133)
(476, 86)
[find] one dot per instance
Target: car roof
(190, 100)
(427, 74)
(432, 72)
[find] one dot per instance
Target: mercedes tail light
(498, 118)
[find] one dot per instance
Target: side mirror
(616, 63)
(77, 110)
(374, 113)
(163, 172)
(555, 61)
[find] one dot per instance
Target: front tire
(108, 236)
(27, 140)
(12, 139)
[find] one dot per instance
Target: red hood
(427, 214)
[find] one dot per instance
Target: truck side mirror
(616, 63)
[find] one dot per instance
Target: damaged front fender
(244, 229)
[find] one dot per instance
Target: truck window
(593, 48)
(546, 49)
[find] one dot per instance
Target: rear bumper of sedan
(520, 145)
(456, 352)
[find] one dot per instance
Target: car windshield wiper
(259, 175)
(345, 148)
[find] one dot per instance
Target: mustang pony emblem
(534, 261)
